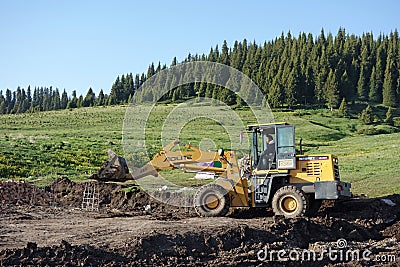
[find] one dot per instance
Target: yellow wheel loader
(293, 185)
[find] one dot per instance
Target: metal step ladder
(90, 201)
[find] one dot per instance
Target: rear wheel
(212, 200)
(290, 202)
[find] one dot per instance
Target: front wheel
(290, 202)
(212, 200)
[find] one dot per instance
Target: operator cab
(273, 146)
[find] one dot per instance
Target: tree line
(46, 98)
(290, 71)
(49, 98)
(305, 70)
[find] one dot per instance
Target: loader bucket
(115, 169)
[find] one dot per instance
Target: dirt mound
(120, 199)
(70, 193)
(363, 208)
(141, 203)
(63, 255)
(112, 198)
(22, 193)
(392, 231)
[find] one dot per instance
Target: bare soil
(126, 233)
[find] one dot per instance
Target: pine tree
(174, 62)
(332, 91)
(215, 95)
(389, 116)
(343, 109)
(366, 115)
(291, 88)
(346, 89)
(25, 101)
(202, 89)
(142, 79)
(240, 101)
(80, 102)
(224, 59)
(275, 98)
(56, 101)
(157, 70)
(137, 82)
(18, 106)
(374, 94)
(34, 100)
(129, 86)
(174, 96)
(209, 90)
(13, 100)
(214, 54)
(29, 97)
(46, 103)
(150, 71)
(89, 99)
(362, 85)
(100, 100)
(73, 103)
(321, 79)
(227, 96)
(116, 94)
(2, 103)
(378, 77)
(236, 56)
(40, 98)
(64, 100)
(390, 82)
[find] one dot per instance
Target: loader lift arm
(116, 168)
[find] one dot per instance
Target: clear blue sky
(77, 44)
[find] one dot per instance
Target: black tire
(211, 200)
(290, 202)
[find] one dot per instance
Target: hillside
(47, 145)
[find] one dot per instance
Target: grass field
(47, 145)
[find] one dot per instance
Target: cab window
(286, 140)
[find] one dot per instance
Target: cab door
(285, 147)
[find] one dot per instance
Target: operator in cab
(267, 157)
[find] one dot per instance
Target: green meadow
(73, 143)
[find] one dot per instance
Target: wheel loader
(293, 185)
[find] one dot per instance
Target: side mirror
(221, 152)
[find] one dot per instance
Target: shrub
(389, 116)
(380, 129)
(396, 121)
(366, 116)
(368, 130)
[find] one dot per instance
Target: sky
(77, 44)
